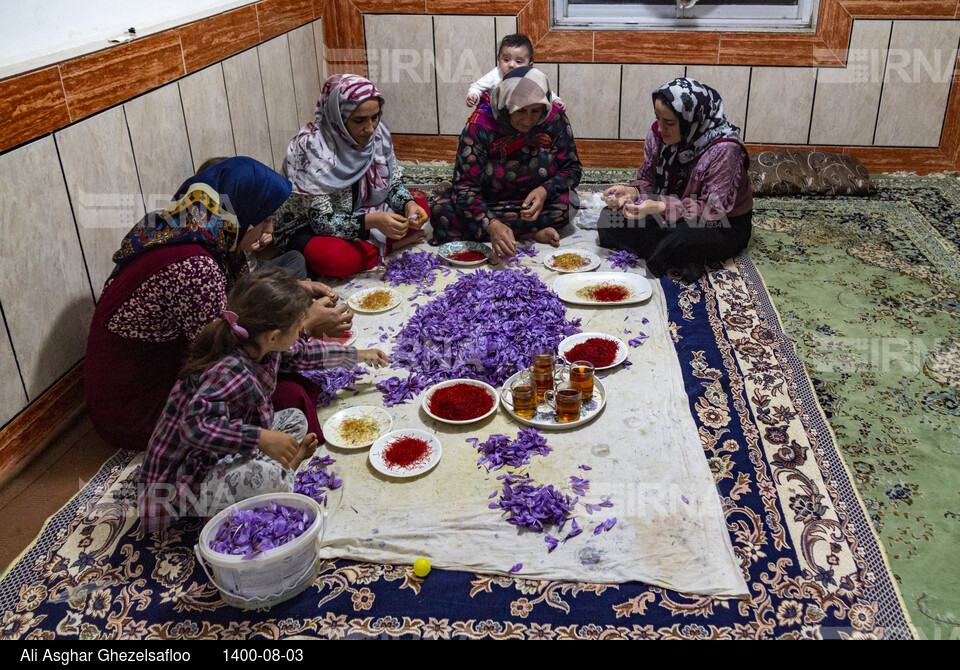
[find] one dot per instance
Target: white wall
(32, 31)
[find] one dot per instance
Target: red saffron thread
(610, 293)
(460, 402)
(407, 453)
(467, 256)
(597, 350)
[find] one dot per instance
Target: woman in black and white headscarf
(691, 201)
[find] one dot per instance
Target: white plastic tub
(274, 575)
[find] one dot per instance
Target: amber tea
(541, 371)
(524, 398)
(568, 405)
(581, 375)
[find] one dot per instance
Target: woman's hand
(533, 204)
(325, 320)
(618, 196)
(279, 446)
(391, 224)
(643, 209)
(411, 209)
(373, 358)
(320, 290)
(501, 239)
(264, 241)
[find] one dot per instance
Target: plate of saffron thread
(405, 453)
(602, 288)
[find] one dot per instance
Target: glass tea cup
(565, 399)
(580, 373)
(542, 374)
(521, 394)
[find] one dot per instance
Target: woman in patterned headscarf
(172, 274)
(691, 201)
(516, 171)
(349, 206)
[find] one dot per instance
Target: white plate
(346, 339)
(380, 446)
(592, 261)
(356, 298)
(450, 248)
(574, 340)
(566, 287)
(545, 417)
(331, 427)
(425, 399)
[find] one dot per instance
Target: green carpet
(868, 289)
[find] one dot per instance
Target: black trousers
(681, 244)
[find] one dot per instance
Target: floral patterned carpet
(813, 563)
(868, 291)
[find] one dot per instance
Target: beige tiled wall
(845, 109)
(105, 202)
(276, 72)
(465, 48)
(44, 289)
(207, 114)
(248, 112)
(12, 395)
(916, 83)
(400, 63)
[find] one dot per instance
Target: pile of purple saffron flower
(413, 267)
(333, 380)
(249, 532)
(533, 505)
(485, 326)
(397, 391)
(500, 450)
(315, 481)
(624, 260)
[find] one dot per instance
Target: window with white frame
(766, 15)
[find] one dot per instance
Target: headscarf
(519, 88)
(213, 209)
(323, 158)
(702, 122)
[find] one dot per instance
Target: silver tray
(545, 417)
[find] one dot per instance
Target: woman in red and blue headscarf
(172, 274)
(691, 202)
(516, 170)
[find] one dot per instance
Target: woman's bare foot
(548, 236)
(413, 238)
(307, 447)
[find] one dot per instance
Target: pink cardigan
(717, 184)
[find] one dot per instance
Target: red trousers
(335, 257)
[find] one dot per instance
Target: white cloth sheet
(643, 449)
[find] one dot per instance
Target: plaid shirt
(213, 415)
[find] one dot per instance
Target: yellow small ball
(421, 567)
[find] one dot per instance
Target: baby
(515, 51)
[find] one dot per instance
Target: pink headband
(231, 318)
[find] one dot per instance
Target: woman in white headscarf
(691, 202)
(349, 206)
(516, 170)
